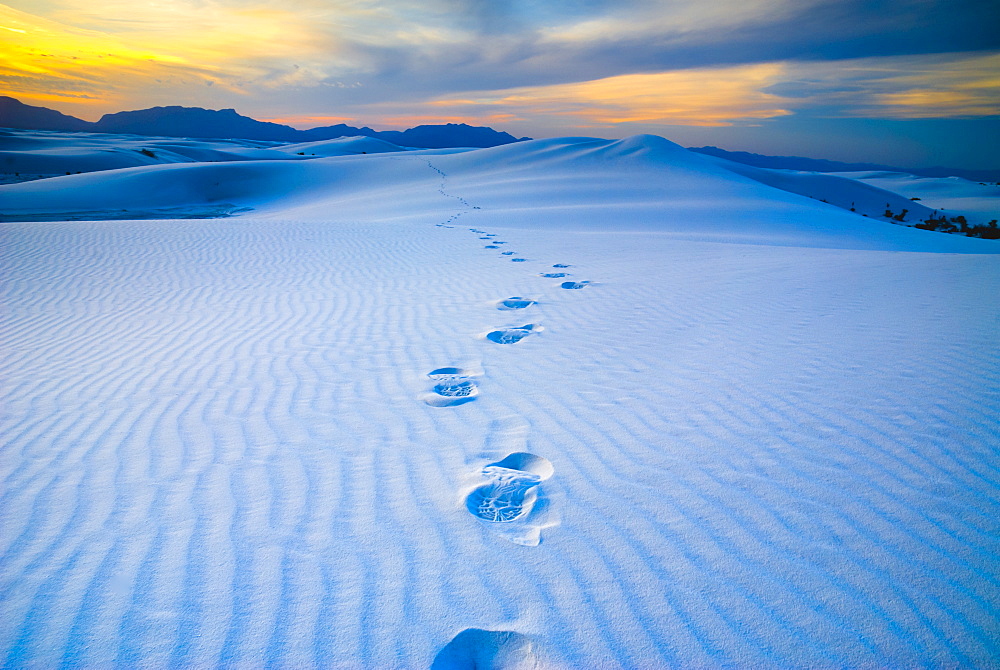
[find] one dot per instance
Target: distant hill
(439, 137)
(201, 123)
(821, 165)
(194, 122)
(16, 114)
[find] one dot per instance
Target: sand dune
(26, 155)
(952, 195)
(643, 183)
(719, 425)
(342, 146)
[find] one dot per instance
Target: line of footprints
(505, 495)
(507, 492)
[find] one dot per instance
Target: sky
(904, 82)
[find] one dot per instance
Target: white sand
(33, 154)
(761, 433)
(951, 196)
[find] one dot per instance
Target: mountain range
(821, 165)
(196, 122)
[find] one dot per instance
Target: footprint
(511, 335)
(518, 260)
(506, 253)
(561, 265)
(554, 275)
(506, 496)
(511, 489)
(491, 246)
(515, 302)
(573, 284)
(487, 650)
(452, 386)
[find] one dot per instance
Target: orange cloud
(702, 97)
(961, 88)
(928, 104)
(310, 121)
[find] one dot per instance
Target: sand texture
(557, 404)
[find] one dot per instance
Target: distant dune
(28, 155)
(820, 165)
(199, 178)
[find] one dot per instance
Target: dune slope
(559, 404)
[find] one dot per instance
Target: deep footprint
(518, 260)
(487, 649)
(464, 389)
(505, 253)
(515, 302)
(561, 265)
(452, 386)
(554, 275)
(512, 488)
(573, 284)
(511, 335)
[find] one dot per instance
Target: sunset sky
(912, 82)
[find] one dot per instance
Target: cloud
(672, 21)
(305, 121)
(967, 88)
(593, 62)
(705, 97)
(941, 86)
(645, 36)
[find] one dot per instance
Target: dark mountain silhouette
(439, 137)
(194, 122)
(16, 114)
(821, 165)
(333, 132)
(201, 123)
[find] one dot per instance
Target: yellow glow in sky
(43, 60)
(156, 59)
